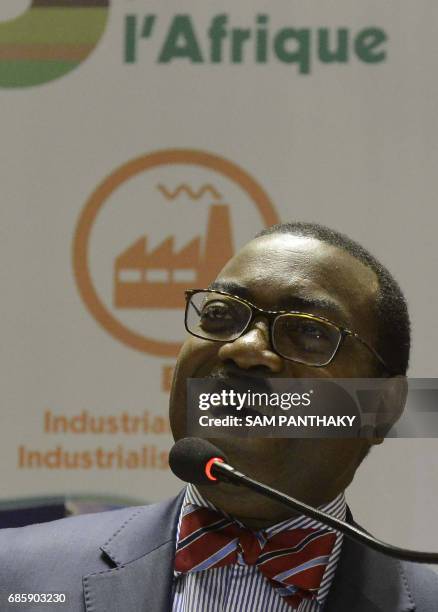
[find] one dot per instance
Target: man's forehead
(275, 249)
(300, 265)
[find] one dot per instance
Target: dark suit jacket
(122, 561)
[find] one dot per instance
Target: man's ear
(392, 400)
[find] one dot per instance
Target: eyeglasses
(304, 338)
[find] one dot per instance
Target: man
(147, 559)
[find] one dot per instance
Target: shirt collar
(336, 508)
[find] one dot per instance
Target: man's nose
(252, 349)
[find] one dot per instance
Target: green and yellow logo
(48, 40)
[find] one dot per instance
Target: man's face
(286, 272)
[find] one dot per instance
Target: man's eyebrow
(231, 287)
(288, 302)
(310, 303)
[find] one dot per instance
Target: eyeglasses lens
(305, 339)
(298, 337)
(214, 316)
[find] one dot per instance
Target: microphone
(199, 462)
(191, 460)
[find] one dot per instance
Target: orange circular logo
(159, 224)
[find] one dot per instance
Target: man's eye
(216, 310)
(307, 328)
(216, 316)
(312, 330)
(306, 332)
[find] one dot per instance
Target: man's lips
(242, 378)
(260, 374)
(241, 383)
(221, 411)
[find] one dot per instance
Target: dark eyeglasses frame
(271, 315)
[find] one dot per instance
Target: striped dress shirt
(240, 587)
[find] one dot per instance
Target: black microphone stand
(226, 473)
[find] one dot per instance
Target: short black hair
(394, 329)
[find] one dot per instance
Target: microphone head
(189, 460)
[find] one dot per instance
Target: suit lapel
(142, 551)
(142, 585)
(367, 581)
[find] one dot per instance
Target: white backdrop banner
(143, 143)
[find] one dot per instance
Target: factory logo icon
(49, 39)
(159, 278)
(158, 225)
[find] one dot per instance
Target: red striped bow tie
(293, 561)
